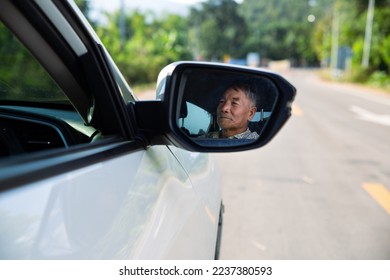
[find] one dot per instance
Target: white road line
(367, 94)
(368, 116)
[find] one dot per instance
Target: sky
(181, 7)
(158, 6)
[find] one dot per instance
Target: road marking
(365, 115)
(259, 246)
(296, 111)
(308, 180)
(366, 94)
(380, 194)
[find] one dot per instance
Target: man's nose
(225, 107)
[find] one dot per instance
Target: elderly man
(236, 108)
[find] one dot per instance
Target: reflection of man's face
(234, 112)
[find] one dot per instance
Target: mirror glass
(224, 107)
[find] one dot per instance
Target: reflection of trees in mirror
(206, 90)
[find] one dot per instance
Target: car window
(35, 114)
(195, 121)
(261, 116)
(22, 78)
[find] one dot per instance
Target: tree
(218, 30)
(281, 30)
(352, 32)
(148, 45)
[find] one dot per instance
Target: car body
(87, 171)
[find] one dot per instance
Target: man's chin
(224, 124)
(226, 121)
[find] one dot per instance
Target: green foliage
(218, 30)
(146, 45)
(352, 16)
(385, 52)
(281, 30)
(142, 43)
(21, 77)
(379, 79)
(276, 30)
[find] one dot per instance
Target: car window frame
(28, 168)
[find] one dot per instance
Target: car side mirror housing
(188, 111)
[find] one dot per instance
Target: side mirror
(188, 114)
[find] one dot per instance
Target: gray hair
(247, 89)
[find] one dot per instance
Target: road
(321, 188)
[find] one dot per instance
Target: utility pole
(335, 39)
(122, 23)
(367, 37)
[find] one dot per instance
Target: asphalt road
(321, 188)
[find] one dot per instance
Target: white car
(87, 171)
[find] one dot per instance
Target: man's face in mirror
(234, 111)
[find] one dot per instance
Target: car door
(101, 194)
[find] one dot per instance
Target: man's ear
(252, 113)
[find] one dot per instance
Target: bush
(360, 75)
(379, 79)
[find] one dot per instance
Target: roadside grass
(378, 80)
(138, 88)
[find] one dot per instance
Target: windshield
(22, 78)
